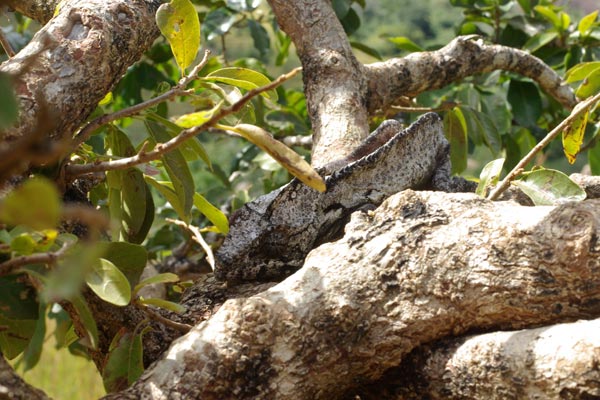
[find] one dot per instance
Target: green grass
(64, 376)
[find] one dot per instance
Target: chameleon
(270, 237)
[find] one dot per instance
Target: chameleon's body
(270, 236)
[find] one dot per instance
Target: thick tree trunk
(553, 362)
(13, 387)
(68, 67)
(419, 268)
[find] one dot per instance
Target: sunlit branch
(143, 156)
(177, 90)
(519, 168)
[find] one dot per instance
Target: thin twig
(142, 157)
(40, 258)
(185, 328)
(197, 237)
(177, 90)
(8, 49)
(446, 105)
(519, 168)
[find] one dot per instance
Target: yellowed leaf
(285, 156)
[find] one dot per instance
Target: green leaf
(525, 101)
(130, 202)
(539, 40)
(115, 208)
(590, 85)
(586, 23)
(288, 121)
(116, 368)
(191, 149)
(565, 21)
(134, 206)
(124, 362)
(15, 335)
(139, 236)
(341, 8)
(283, 48)
(366, 49)
(177, 169)
(36, 344)
(572, 136)
(218, 22)
(166, 277)
(136, 357)
(404, 43)
(109, 283)
(581, 71)
(243, 78)
(129, 258)
(178, 22)
(548, 13)
(36, 204)
(24, 244)
(243, 5)
(289, 159)
(489, 176)
(87, 320)
(167, 305)
(594, 159)
(165, 189)
(549, 187)
(525, 5)
(211, 212)
(351, 22)
(455, 128)
(18, 300)
(260, 37)
(19, 311)
(194, 119)
(9, 108)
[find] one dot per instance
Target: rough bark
(334, 83)
(341, 93)
(462, 57)
(419, 268)
(70, 65)
(13, 387)
(39, 10)
(110, 319)
(553, 362)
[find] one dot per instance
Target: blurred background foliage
(499, 115)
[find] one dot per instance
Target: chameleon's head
(255, 248)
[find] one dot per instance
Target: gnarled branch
(420, 267)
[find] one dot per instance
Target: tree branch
(143, 156)
(176, 90)
(13, 387)
(334, 84)
(462, 57)
(39, 10)
(39, 258)
(551, 362)
(420, 267)
(87, 47)
(6, 46)
(582, 107)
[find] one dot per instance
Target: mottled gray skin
(270, 236)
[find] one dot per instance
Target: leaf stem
(519, 168)
(177, 90)
(74, 170)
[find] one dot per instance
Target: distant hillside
(587, 6)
